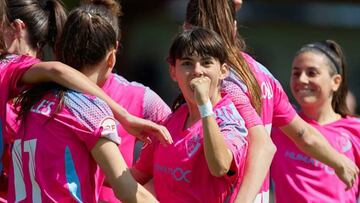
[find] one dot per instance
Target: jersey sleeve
(231, 86)
(155, 109)
(235, 134)
(284, 112)
(145, 162)
(12, 69)
(355, 137)
(94, 116)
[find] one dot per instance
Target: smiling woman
(319, 85)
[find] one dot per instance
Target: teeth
(305, 91)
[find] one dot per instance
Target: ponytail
(219, 15)
(113, 12)
(44, 20)
(57, 18)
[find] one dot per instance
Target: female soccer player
(319, 85)
(219, 15)
(87, 43)
(14, 69)
(210, 140)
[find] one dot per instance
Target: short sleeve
(242, 103)
(284, 112)
(155, 109)
(12, 69)
(94, 116)
(145, 162)
(235, 134)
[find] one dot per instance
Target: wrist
(339, 164)
(206, 109)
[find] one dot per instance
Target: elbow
(305, 141)
(219, 172)
(272, 149)
(269, 149)
(56, 69)
(220, 169)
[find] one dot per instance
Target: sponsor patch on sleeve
(109, 129)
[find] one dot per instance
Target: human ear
(18, 25)
(111, 59)
(336, 82)
(172, 73)
(224, 71)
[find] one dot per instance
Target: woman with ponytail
(319, 85)
(267, 98)
(89, 42)
(26, 68)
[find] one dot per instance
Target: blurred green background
(274, 30)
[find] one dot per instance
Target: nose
(303, 78)
(198, 70)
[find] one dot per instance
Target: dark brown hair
(88, 34)
(337, 65)
(196, 41)
(219, 15)
(44, 20)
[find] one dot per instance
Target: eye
(312, 73)
(296, 74)
(185, 63)
(207, 62)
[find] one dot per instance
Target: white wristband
(206, 109)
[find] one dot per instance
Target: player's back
(51, 152)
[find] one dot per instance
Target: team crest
(193, 145)
(344, 142)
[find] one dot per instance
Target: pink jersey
(51, 159)
(12, 67)
(276, 109)
(140, 101)
(300, 178)
(180, 170)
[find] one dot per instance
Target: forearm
(312, 142)
(107, 156)
(73, 79)
(260, 154)
(217, 154)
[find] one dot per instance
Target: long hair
(88, 34)
(219, 15)
(44, 20)
(337, 63)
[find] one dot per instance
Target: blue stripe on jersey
(89, 111)
(232, 118)
(71, 176)
(1, 147)
(265, 70)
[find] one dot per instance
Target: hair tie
(325, 50)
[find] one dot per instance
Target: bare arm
(311, 142)
(260, 154)
(217, 154)
(65, 75)
(108, 156)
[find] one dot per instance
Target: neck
(97, 73)
(23, 50)
(323, 115)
